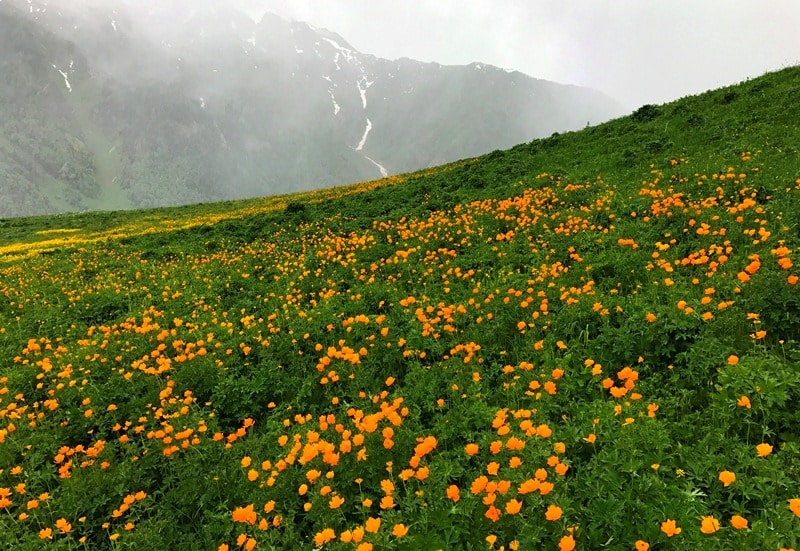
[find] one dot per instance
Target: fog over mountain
(153, 103)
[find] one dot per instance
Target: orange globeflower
(513, 507)
(64, 526)
(709, 525)
(323, 537)
(372, 525)
(244, 514)
(553, 512)
(763, 450)
(744, 402)
(738, 522)
(670, 528)
(727, 478)
(453, 493)
(733, 359)
(794, 506)
(567, 543)
(641, 545)
(399, 530)
(471, 449)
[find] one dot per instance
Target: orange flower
(641, 545)
(492, 513)
(727, 478)
(513, 507)
(471, 449)
(372, 525)
(64, 526)
(399, 530)
(744, 402)
(530, 485)
(566, 543)
(387, 502)
(323, 537)
(733, 359)
(794, 506)
(763, 450)
(46, 534)
(670, 528)
(738, 522)
(453, 493)
(553, 512)
(478, 485)
(709, 525)
(244, 514)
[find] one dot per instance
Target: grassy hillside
(588, 341)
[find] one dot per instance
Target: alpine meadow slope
(585, 341)
(109, 105)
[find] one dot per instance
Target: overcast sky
(637, 51)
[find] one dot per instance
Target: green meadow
(589, 341)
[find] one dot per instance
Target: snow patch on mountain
(384, 172)
(363, 85)
(360, 145)
(335, 105)
(347, 52)
(66, 80)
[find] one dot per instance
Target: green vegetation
(587, 341)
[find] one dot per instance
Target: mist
(637, 52)
(173, 102)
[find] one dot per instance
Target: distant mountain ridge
(118, 106)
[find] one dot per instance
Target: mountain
(126, 105)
